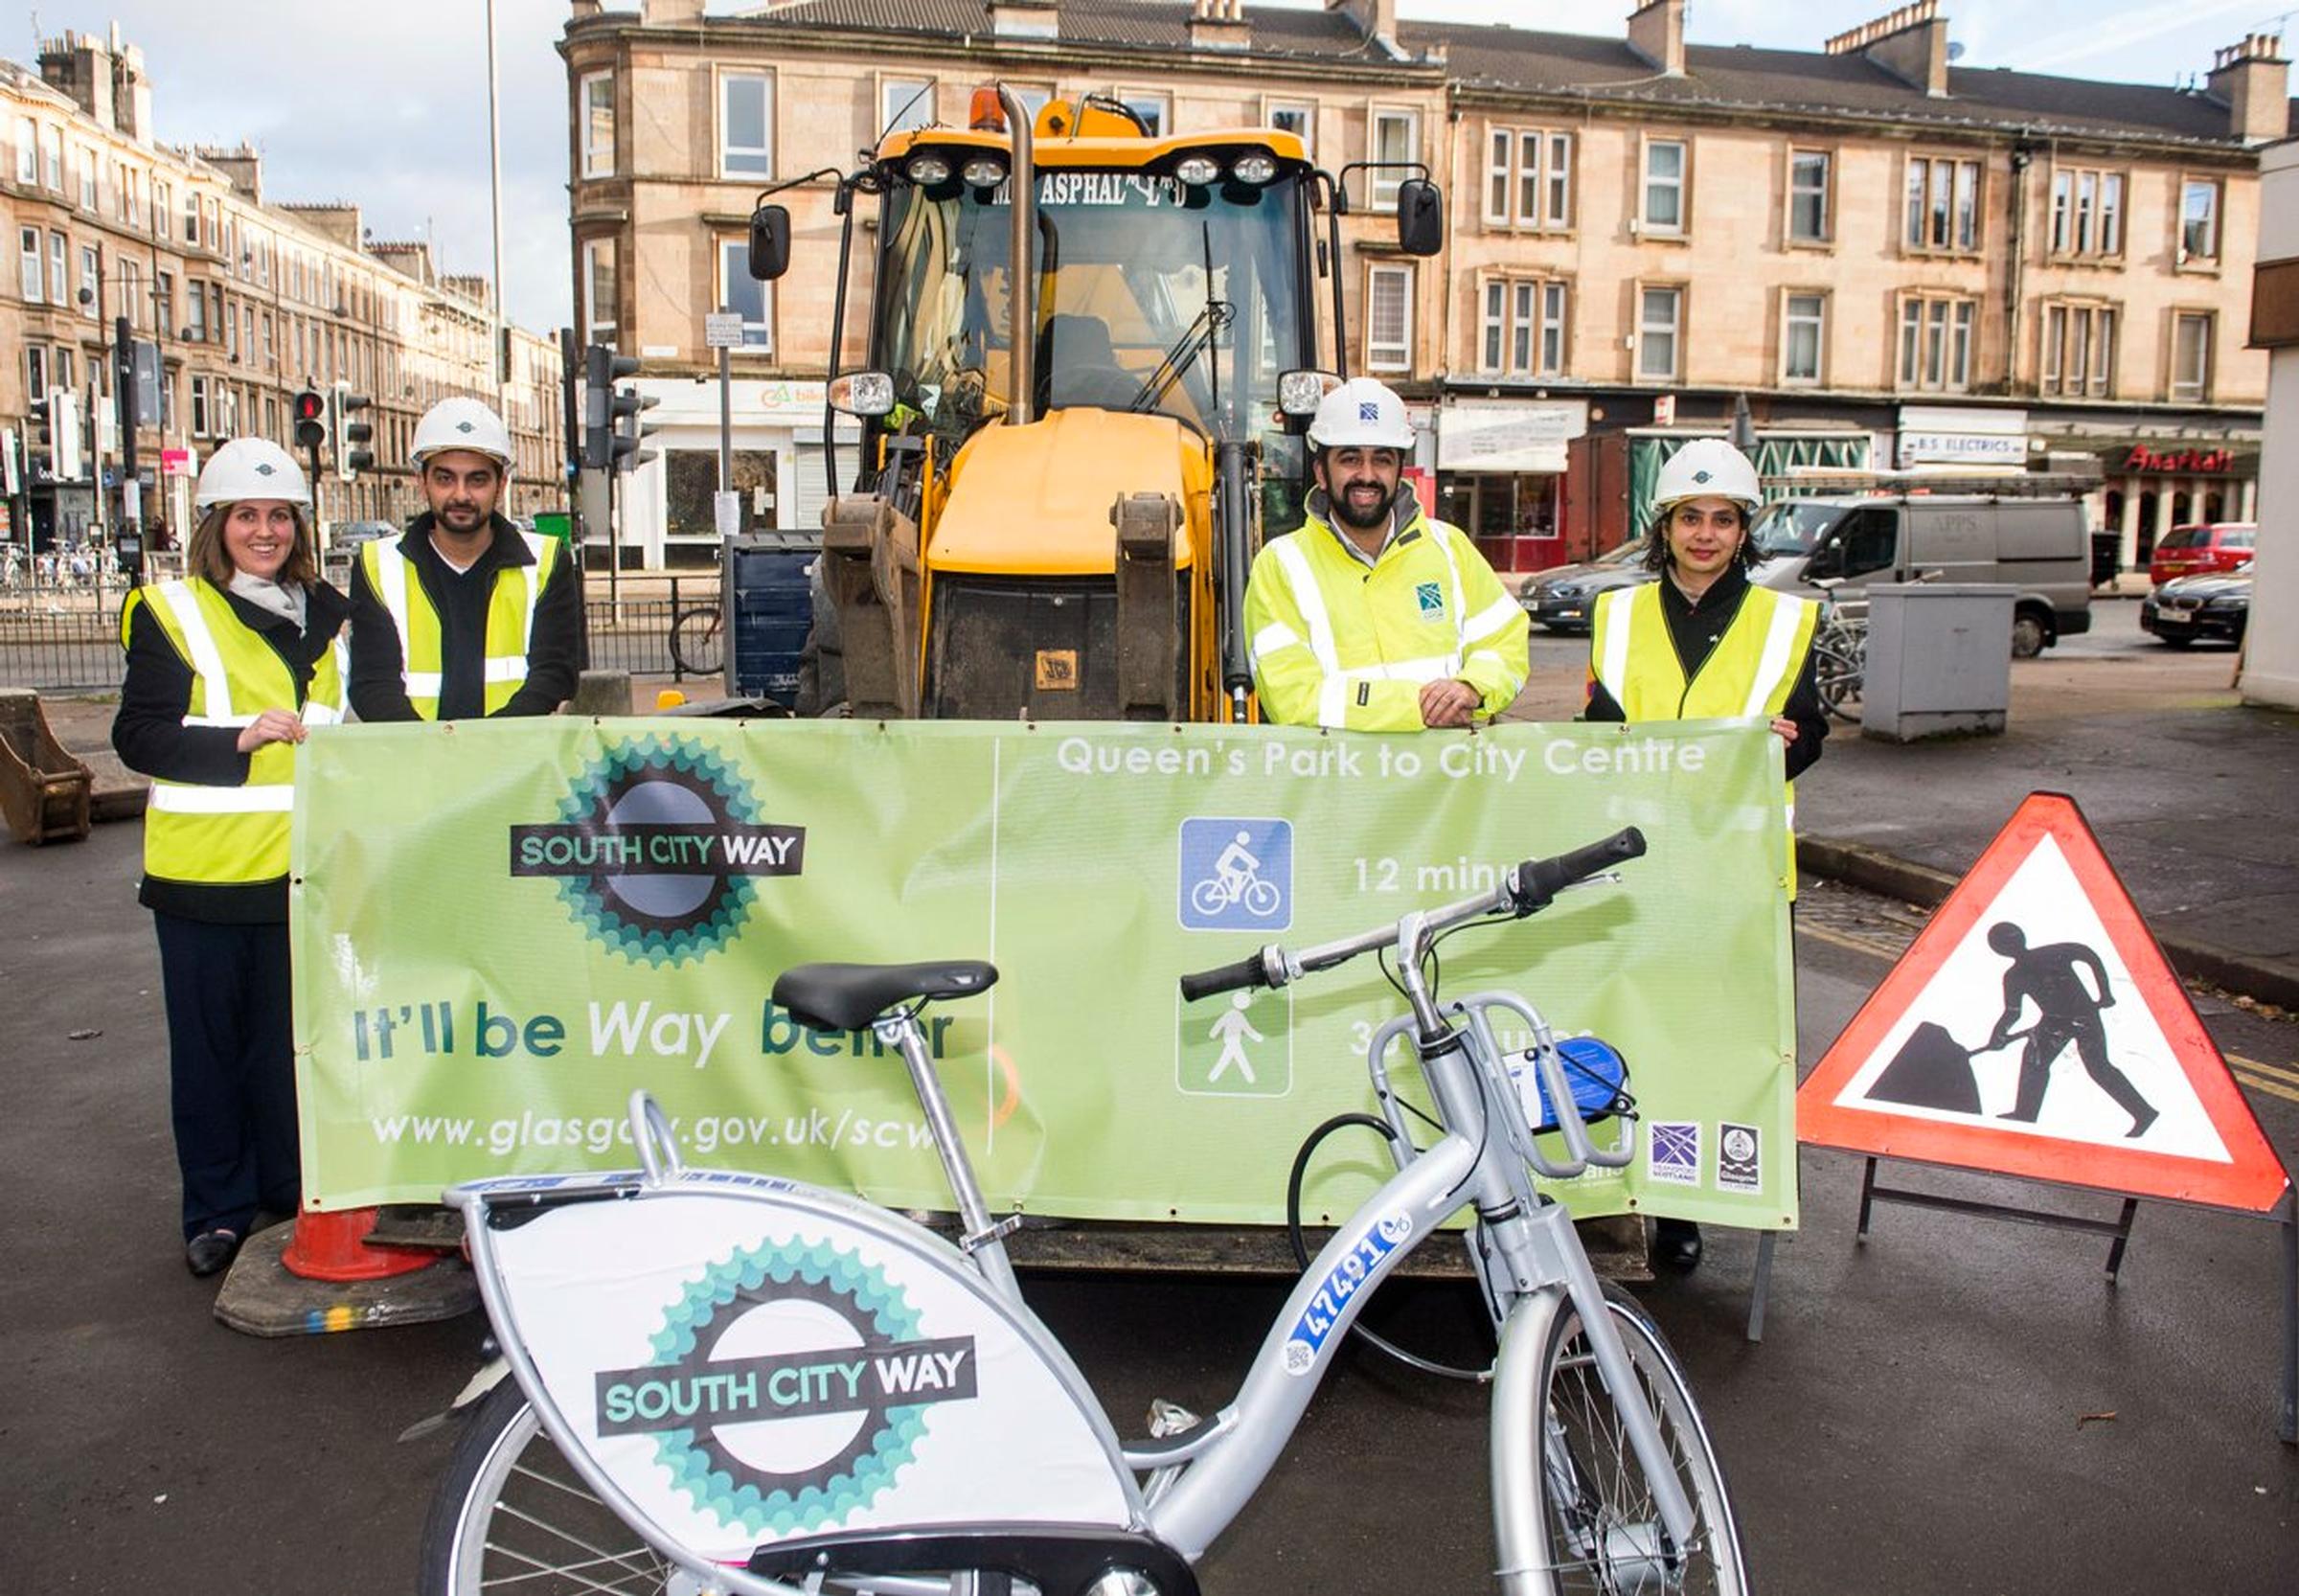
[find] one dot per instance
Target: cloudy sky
(385, 105)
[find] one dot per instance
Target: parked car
(349, 535)
(2211, 603)
(1564, 599)
(2039, 547)
(2210, 546)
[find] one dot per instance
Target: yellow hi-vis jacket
(1336, 642)
(228, 835)
(1750, 672)
(510, 620)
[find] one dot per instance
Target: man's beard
(1370, 521)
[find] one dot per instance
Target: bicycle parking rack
(45, 790)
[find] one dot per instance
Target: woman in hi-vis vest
(1702, 642)
(227, 669)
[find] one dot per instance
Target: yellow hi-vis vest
(510, 620)
(1337, 644)
(1750, 672)
(228, 835)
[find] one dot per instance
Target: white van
(2039, 547)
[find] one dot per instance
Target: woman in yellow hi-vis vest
(466, 615)
(227, 669)
(1702, 642)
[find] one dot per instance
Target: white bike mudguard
(738, 1361)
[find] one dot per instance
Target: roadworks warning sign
(2034, 1028)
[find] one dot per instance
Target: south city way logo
(819, 1414)
(655, 849)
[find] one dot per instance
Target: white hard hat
(1361, 414)
(460, 423)
(251, 469)
(1708, 467)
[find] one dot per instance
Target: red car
(2212, 546)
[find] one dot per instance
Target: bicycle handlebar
(1527, 889)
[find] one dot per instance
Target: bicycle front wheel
(694, 642)
(1601, 1528)
(1836, 675)
(514, 1515)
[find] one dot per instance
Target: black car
(2213, 604)
(1564, 599)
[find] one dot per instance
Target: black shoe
(1676, 1244)
(210, 1252)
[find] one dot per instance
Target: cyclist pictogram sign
(2034, 1028)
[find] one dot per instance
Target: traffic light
(310, 419)
(630, 430)
(350, 437)
(601, 367)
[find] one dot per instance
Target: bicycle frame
(1525, 1251)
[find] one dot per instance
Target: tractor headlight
(1256, 167)
(927, 170)
(1197, 171)
(984, 172)
(862, 393)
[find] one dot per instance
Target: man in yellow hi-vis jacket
(466, 615)
(1371, 616)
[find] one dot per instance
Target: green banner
(501, 928)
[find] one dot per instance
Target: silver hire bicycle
(729, 1382)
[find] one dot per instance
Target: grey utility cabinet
(1939, 660)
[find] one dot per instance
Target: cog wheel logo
(795, 1421)
(657, 849)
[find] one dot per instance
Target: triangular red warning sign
(2034, 1028)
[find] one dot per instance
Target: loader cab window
(1156, 296)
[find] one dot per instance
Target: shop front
(1502, 471)
(2152, 485)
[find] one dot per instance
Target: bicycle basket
(1597, 1074)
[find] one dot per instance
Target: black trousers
(231, 1070)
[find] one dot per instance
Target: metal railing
(66, 638)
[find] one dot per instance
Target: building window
(28, 152)
(1935, 343)
(746, 120)
(1943, 205)
(88, 307)
(191, 218)
(597, 120)
(1528, 177)
(195, 315)
(29, 240)
(1802, 336)
(1156, 111)
(741, 292)
(1296, 117)
(599, 292)
(164, 300)
(2078, 356)
(51, 155)
(2191, 354)
(1392, 143)
(1808, 222)
(87, 179)
(2198, 220)
(1389, 318)
(2087, 214)
(904, 103)
(59, 250)
(1523, 327)
(35, 373)
(1659, 316)
(64, 375)
(1663, 187)
(201, 407)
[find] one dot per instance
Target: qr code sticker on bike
(1236, 873)
(1673, 1154)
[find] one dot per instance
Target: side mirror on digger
(769, 242)
(1420, 216)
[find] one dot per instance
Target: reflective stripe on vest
(510, 623)
(230, 836)
(1308, 600)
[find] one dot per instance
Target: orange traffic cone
(333, 1247)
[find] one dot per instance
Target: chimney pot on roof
(2252, 80)
(1910, 43)
(1219, 25)
(1656, 34)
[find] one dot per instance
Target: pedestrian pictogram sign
(2034, 1028)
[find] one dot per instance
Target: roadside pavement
(2188, 790)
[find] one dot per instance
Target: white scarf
(291, 603)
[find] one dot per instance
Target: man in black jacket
(464, 615)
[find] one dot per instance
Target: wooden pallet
(44, 789)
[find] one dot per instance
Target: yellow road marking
(2261, 1085)
(2281, 1072)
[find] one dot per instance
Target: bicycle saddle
(846, 997)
